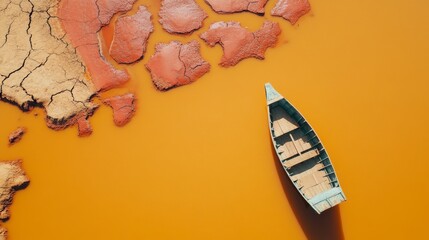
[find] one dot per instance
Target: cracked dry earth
(12, 179)
(38, 65)
(50, 57)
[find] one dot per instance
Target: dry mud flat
(38, 66)
(47, 49)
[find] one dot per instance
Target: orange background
(196, 162)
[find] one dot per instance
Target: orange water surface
(196, 162)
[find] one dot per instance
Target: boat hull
(302, 154)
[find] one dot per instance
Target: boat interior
(300, 150)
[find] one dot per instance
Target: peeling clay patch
(12, 179)
(123, 107)
(233, 6)
(291, 10)
(82, 20)
(238, 43)
(175, 64)
(83, 125)
(16, 135)
(130, 36)
(181, 16)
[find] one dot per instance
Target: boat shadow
(324, 226)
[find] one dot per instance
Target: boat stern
(327, 199)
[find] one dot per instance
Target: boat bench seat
(300, 158)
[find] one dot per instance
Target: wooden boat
(302, 154)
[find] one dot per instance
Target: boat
(302, 154)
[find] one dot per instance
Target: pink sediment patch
(176, 64)
(82, 20)
(123, 108)
(84, 127)
(16, 135)
(232, 6)
(181, 16)
(291, 10)
(131, 35)
(239, 43)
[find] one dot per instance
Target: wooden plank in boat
(282, 122)
(289, 150)
(311, 180)
(309, 171)
(317, 189)
(301, 141)
(300, 158)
